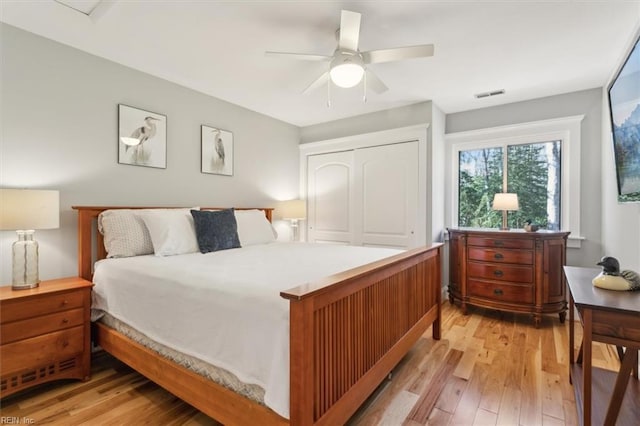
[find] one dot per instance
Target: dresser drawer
(24, 329)
(503, 272)
(522, 257)
(46, 304)
(41, 350)
(501, 292)
(515, 243)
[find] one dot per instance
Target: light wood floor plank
(509, 413)
(467, 410)
(483, 418)
(552, 399)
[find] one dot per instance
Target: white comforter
(224, 307)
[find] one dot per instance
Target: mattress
(223, 308)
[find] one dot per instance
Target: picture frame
(142, 137)
(216, 151)
(624, 112)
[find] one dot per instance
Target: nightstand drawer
(522, 257)
(24, 329)
(491, 271)
(42, 349)
(516, 243)
(501, 292)
(46, 304)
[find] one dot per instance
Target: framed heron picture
(217, 151)
(142, 137)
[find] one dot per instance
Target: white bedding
(224, 307)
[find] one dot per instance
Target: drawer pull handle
(498, 291)
(498, 256)
(65, 321)
(498, 243)
(65, 302)
(498, 273)
(65, 344)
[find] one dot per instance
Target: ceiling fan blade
(303, 56)
(397, 54)
(323, 79)
(349, 30)
(374, 83)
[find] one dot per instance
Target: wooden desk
(602, 396)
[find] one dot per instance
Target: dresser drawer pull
(498, 291)
(64, 303)
(498, 256)
(65, 343)
(498, 273)
(498, 243)
(65, 321)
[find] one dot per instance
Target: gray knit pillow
(215, 230)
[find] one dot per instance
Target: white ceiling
(530, 49)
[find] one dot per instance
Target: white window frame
(565, 129)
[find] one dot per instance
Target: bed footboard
(349, 331)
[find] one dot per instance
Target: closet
(367, 196)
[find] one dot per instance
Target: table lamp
(24, 210)
(506, 202)
(293, 211)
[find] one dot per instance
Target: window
(539, 161)
(532, 172)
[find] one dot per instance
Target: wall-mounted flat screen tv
(624, 106)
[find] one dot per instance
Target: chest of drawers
(44, 334)
(514, 271)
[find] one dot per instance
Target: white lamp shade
(346, 75)
(292, 209)
(506, 201)
(29, 209)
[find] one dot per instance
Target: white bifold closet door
(366, 196)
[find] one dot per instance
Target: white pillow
(125, 234)
(172, 231)
(254, 228)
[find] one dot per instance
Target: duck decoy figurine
(529, 226)
(611, 278)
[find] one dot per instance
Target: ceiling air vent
(487, 94)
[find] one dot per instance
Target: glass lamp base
(24, 286)
(25, 262)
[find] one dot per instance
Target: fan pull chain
(329, 89)
(364, 88)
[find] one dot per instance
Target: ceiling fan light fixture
(346, 75)
(346, 69)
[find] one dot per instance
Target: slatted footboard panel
(354, 331)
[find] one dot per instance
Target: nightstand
(44, 333)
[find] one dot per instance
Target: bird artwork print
(142, 134)
(217, 151)
(217, 161)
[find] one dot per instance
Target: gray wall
(373, 122)
(59, 131)
(587, 102)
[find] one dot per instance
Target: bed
(346, 333)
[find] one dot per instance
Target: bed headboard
(91, 243)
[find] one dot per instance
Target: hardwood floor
(490, 368)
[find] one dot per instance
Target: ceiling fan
(347, 65)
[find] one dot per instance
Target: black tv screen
(624, 107)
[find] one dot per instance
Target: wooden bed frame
(347, 332)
